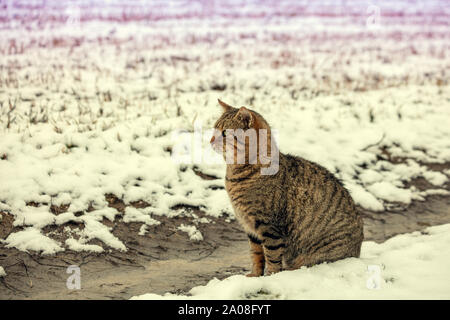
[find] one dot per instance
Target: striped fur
(300, 216)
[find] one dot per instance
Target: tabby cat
(300, 215)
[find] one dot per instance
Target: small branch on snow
(374, 144)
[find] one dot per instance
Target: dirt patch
(401, 218)
(6, 224)
(381, 226)
(162, 260)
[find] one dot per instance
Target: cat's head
(242, 136)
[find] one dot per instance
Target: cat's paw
(250, 275)
(271, 272)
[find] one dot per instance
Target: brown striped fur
(300, 216)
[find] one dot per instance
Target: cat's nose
(212, 140)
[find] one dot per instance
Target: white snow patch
(77, 246)
(143, 230)
(138, 215)
(435, 178)
(192, 231)
(96, 230)
(387, 191)
(431, 192)
(31, 239)
(364, 198)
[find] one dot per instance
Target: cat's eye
(224, 134)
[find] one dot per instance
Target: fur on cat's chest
(239, 195)
(247, 221)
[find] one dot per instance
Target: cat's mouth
(217, 148)
(232, 150)
(236, 148)
(218, 144)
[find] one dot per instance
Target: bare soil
(165, 260)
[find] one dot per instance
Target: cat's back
(312, 190)
(323, 222)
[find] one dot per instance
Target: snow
(75, 245)
(31, 239)
(192, 232)
(98, 109)
(143, 230)
(136, 215)
(410, 266)
(386, 191)
(94, 229)
(435, 178)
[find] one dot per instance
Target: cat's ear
(225, 106)
(246, 116)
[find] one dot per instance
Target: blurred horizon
(141, 10)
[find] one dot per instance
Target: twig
(10, 287)
(374, 144)
(45, 264)
(11, 109)
(26, 271)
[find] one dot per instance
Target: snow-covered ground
(408, 266)
(93, 103)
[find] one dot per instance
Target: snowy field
(94, 97)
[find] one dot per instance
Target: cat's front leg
(257, 254)
(273, 246)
